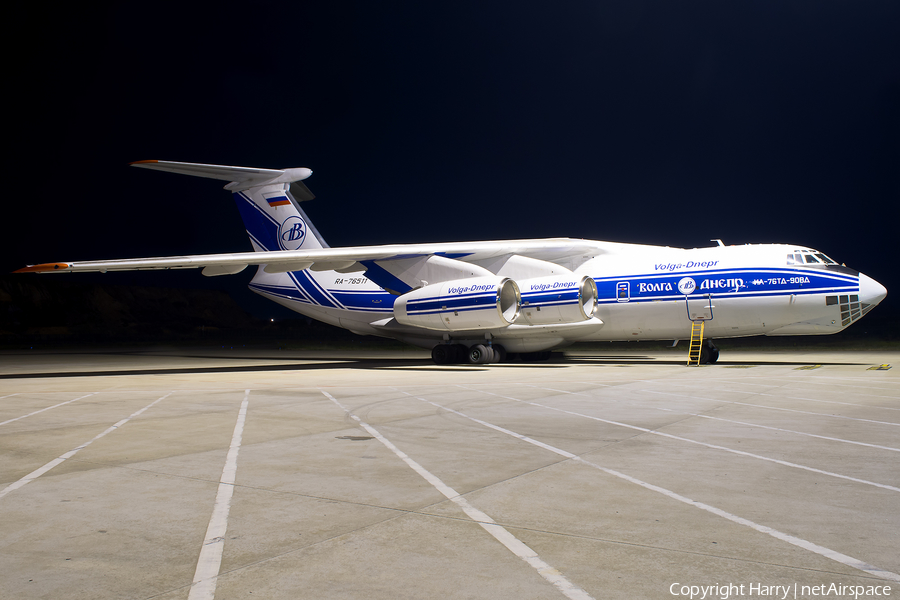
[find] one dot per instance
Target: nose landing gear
(709, 354)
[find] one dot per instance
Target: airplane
(492, 301)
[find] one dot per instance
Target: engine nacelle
(462, 304)
(557, 299)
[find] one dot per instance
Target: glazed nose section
(870, 291)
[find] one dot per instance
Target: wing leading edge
(342, 259)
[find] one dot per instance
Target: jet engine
(557, 299)
(463, 304)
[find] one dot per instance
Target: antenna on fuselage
(718, 241)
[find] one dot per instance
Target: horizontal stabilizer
(241, 178)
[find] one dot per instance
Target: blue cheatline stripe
(545, 304)
(357, 302)
(532, 301)
(280, 292)
(757, 271)
(728, 296)
(294, 291)
(319, 287)
(386, 280)
(370, 309)
(379, 293)
(306, 283)
(260, 226)
(461, 298)
(492, 293)
(419, 313)
(368, 301)
(732, 283)
(556, 297)
(432, 306)
(256, 241)
(447, 305)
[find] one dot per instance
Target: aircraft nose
(870, 291)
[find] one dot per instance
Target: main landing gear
(480, 354)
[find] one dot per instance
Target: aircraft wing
(345, 260)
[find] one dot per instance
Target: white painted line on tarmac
(500, 533)
(713, 446)
(37, 473)
(794, 379)
(793, 410)
(682, 412)
(823, 437)
(855, 386)
(849, 403)
(801, 543)
(206, 575)
(856, 404)
(48, 408)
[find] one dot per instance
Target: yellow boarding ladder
(696, 343)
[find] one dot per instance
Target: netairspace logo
(760, 590)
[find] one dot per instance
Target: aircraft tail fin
(268, 201)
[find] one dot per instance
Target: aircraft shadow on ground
(404, 364)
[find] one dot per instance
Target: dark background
(652, 122)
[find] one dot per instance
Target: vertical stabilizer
(275, 221)
(272, 216)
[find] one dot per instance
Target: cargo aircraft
(483, 302)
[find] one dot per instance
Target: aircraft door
(699, 308)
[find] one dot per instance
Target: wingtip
(43, 268)
(142, 162)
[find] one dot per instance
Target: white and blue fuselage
(643, 293)
(523, 296)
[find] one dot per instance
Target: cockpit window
(808, 257)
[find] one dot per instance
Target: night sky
(653, 122)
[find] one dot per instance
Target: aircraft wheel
(528, 356)
(458, 354)
(442, 354)
(480, 354)
(499, 353)
(713, 353)
(704, 355)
